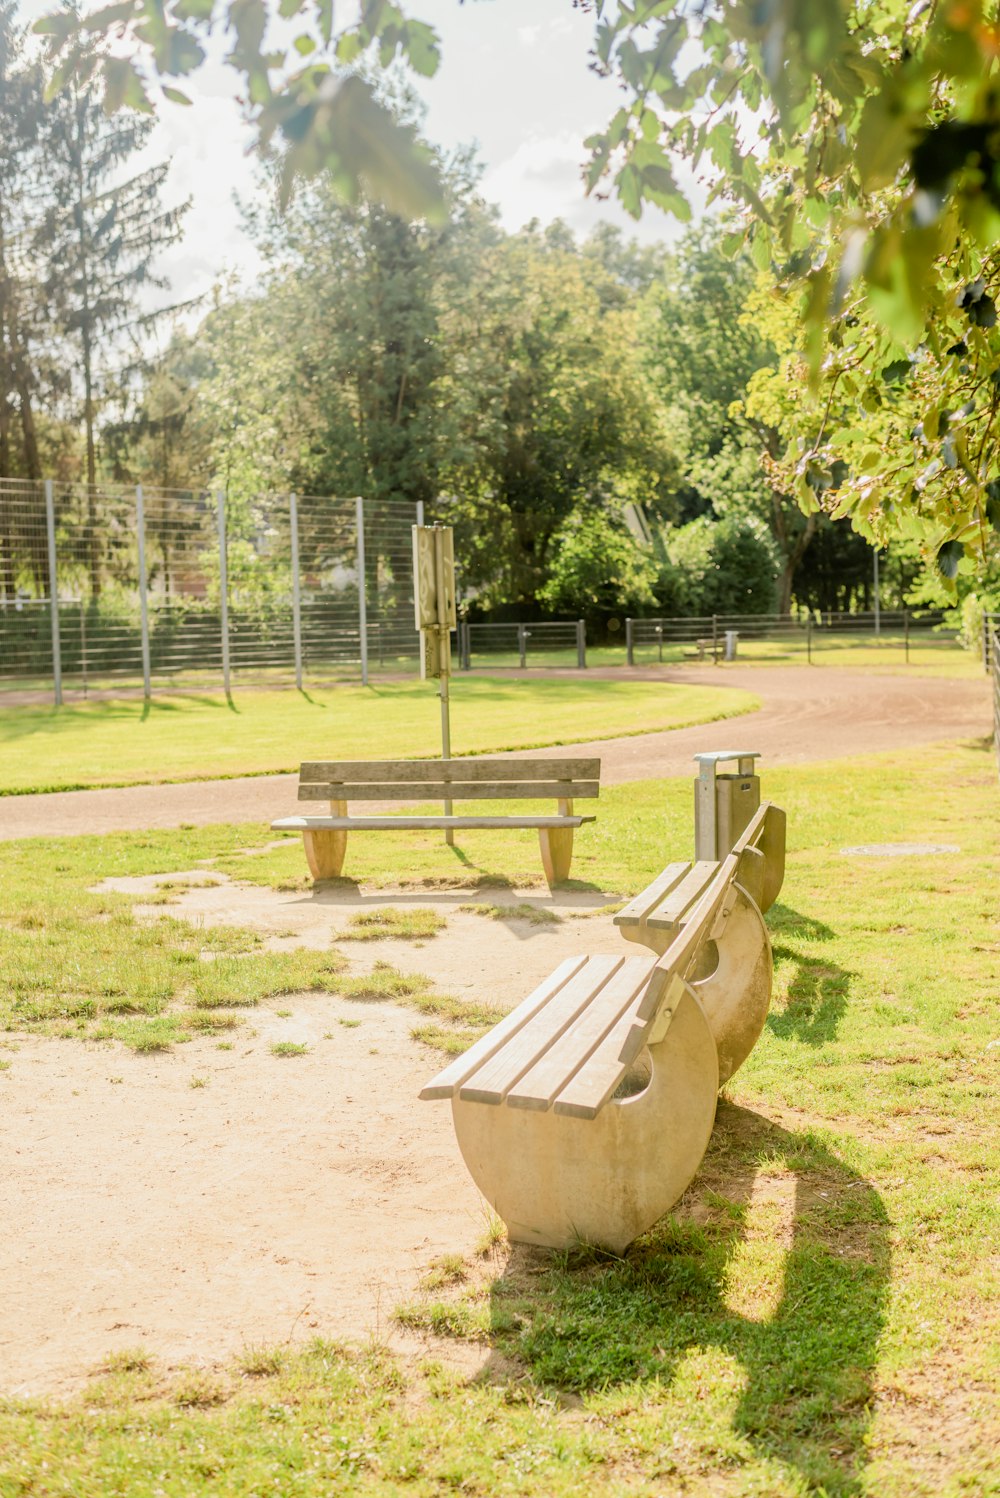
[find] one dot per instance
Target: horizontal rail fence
(769, 637)
(541, 643)
(129, 585)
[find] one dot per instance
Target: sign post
(436, 617)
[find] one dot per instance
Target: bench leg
(557, 1180)
(325, 848)
(325, 853)
(557, 852)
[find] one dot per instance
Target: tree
(598, 571)
(98, 238)
(21, 112)
(707, 339)
(727, 566)
(863, 143)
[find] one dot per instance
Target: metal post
(658, 631)
(629, 652)
(522, 646)
(715, 639)
(986, 642)
(449, 835)
(878, 622)
(420, 512)
(140, 528)
(809, 640)
(220, 502)
(906, 634)
(293, 523)
(83, 645)
(362, 589)
(50, 526)
(581, 644)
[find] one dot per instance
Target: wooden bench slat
(678, 956)
(638, 908)
(415, 771)
(391, 823)
(454, 790)
(672, 910)
(586, 1094)
(491, 1082)
(540, 1085)
(455, 1073)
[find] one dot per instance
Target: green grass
(256, 733)
(820, 1315)
(409, 923)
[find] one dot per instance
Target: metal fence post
(581, 644)
(293, 526)
(140, 530)
(220, 500)
(906, 634)
(809, 639)
(629, 652)
(715, 639)
(522, 645)
(986, 642)
(50, 527)
(362, 590)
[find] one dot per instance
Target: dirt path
(806, 716)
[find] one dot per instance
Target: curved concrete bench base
(557, 1180)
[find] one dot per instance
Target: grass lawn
(128, 742)
(821, 1315)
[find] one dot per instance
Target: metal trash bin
(724, 805)
(732, 636)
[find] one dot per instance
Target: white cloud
(542, 179)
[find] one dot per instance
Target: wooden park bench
(584, 1113)
(339, 782)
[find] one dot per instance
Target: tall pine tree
(102, 233)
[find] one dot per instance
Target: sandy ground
(805, 716)
(291, 1197)
(284, 1198)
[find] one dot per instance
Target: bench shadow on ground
(804, 1355)
(817, 990)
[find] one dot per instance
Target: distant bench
(341, 781)
(585, 1112)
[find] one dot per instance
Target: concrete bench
(584, 1114)
(448, 780)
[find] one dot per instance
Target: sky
(514, 80)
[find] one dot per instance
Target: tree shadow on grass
(686, 1290)
(817, 989)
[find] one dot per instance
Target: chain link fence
(111, 585)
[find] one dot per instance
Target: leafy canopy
(860, 137)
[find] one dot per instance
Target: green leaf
(948, 558)
(123, 88)
(883, 141)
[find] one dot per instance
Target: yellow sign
(434, 596)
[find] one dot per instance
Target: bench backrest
(449, 779)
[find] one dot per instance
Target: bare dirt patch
(200, 1199)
